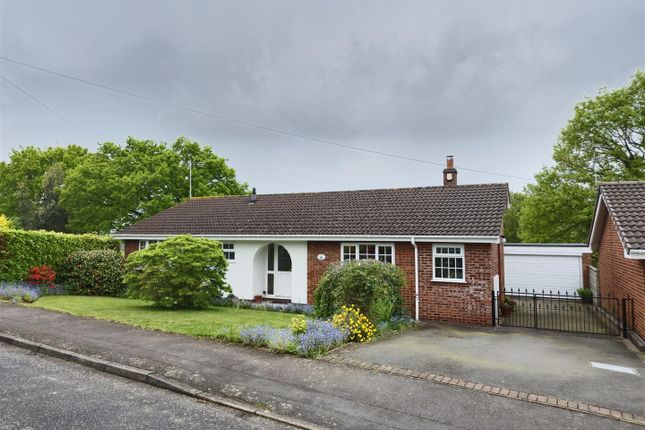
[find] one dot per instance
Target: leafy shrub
(359, 327)
(29, 298)
(372, 286)
(298, 325)
(94, 273)
(21, 250)
(5, 222)
(584, 292)
(42, 276)
(180, 272)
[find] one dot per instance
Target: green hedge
(94, 273)
(21, 249)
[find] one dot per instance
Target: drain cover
(614, 368)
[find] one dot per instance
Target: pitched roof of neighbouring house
(625, 203)
(465, 210)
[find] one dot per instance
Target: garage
(544, 267)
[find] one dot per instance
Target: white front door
(278, 280)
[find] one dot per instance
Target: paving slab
(551, 363)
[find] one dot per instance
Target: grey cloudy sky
(492, 82)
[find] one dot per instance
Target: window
(270, 257)
(229, 251)
(270, 279)
(385, 253)
(143, 244)
(368, 251)
(284, 259)
(448, 263)
(349, 252)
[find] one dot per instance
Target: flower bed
(26, 292)
(19, 292)
(313, 337)
(291, 308)
(316, 338)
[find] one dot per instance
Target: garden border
(150, 378)
(508, 393)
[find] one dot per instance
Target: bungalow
(447, 239)
(618, 235)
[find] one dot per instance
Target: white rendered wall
(247, 274)
(298, 253)
(240, 272)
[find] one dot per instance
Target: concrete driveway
(532, 361)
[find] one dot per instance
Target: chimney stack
(450, 173)
(254, 196)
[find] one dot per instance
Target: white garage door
(525, 271)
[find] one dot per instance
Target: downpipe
(416, 279)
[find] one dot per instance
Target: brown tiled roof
(468, 210)
(625, 203)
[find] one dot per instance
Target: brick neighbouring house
(279, 245)
(618, 234)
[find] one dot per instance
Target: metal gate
(563, 312)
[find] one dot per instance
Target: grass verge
(215, 322)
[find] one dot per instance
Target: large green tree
(32, 180)
(602, 142)
(512, 218)
(117, 186)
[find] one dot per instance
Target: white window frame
(147, 243)
(232, 249)
(376, 246)
(463, 261)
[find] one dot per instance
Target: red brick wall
(315, 267)
(586, 262)
(130, 246)
(497, 261)
(404, 258)
(466, 303)
(621, 277)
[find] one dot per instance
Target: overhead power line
(43, 104)
(250, 124)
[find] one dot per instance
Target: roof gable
(624, 202)
(465, 210)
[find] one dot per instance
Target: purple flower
(282, 340)
(264, 335)
(319, 337)
(19, 290)
(258, 335)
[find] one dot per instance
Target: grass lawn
(216, 322)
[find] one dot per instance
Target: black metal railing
(563, 312)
